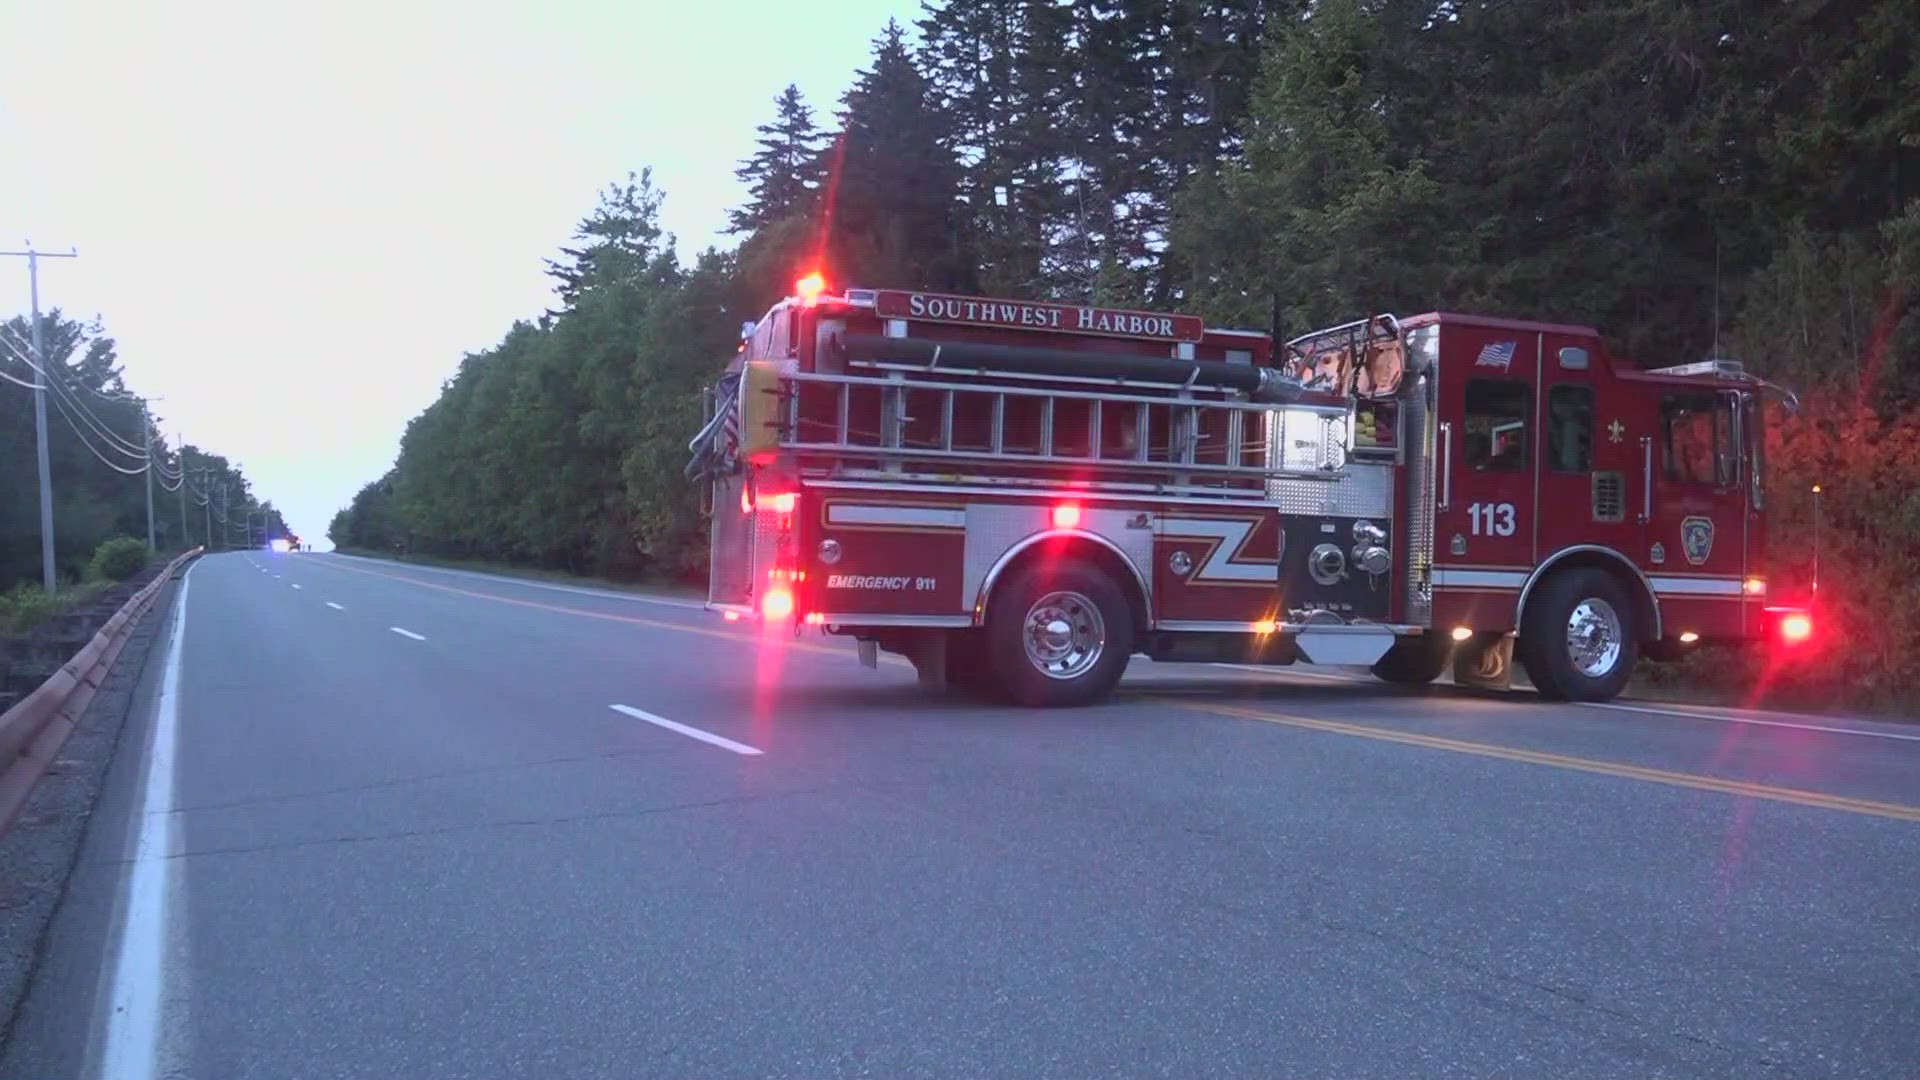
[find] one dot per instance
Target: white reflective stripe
(1232, 533)
(844, 514)
(1479, 579)
(1680, 586)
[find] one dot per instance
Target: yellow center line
(1749, 789)
(632, 620)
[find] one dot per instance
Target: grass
(28, 605)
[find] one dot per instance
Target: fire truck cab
(1024, 495)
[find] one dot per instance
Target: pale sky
(295, 218)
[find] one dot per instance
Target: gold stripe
(1796, 796)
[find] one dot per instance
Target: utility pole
(206, 500)
(181, 456)
(146, 444)
(33, 258)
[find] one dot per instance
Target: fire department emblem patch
(1696, 539)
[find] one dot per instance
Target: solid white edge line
(1735, 718)
(335, 606)
(720, 741)
(691, 605)
(133, 1021)
(407, 633)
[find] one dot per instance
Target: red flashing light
(776, 604)
(809, 288)
(1796, 628)
(746, 502)
(783, 503)
(1066, 516)
(815, 618)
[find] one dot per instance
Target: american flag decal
(1497, 355)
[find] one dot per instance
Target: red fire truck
(1023, 495)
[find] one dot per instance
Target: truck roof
(1497, 323)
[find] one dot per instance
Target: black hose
(1262, 384)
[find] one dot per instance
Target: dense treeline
(95, 438)
(1723, 176)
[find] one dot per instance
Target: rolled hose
(705, 446)
(1260, 384)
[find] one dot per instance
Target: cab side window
(1696, 440)
(1495, 432)
(1570, 428)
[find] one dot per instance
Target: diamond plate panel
(730, 550)
(1361, 491)
(766, 546)
(1417, 576)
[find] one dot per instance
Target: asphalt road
(382, 821)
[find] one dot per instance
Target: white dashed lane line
(335, 606)
(708, 737)
(403, 632)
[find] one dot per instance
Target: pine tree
(624, 225)
(1160, 93)
(782, 177)
(1001, 75)
(892, 215)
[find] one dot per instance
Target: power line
(115, 441)
(82, 436)
(21, 382)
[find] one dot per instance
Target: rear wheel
(1058, 634)
(1578, 637)
(1414, 662)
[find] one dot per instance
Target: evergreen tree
(782, 176)
(892, 214)
(1000, 72)
(625, 222)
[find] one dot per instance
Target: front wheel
(1059, 634)
(1578, 637)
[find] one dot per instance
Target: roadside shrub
(119, 558)
(25, 606)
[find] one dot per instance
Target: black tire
(1414, 663)
(1093, 611)
(1546, 650)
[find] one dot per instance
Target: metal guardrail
(35, 728)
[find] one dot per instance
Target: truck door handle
(1646, 479)
(1446, 465)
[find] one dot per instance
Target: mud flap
(869, 652)
(929, 655)
(1484, 663)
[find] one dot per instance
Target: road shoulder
(38, 854)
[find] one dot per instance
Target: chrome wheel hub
(1064, 634)
(1594, 637)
